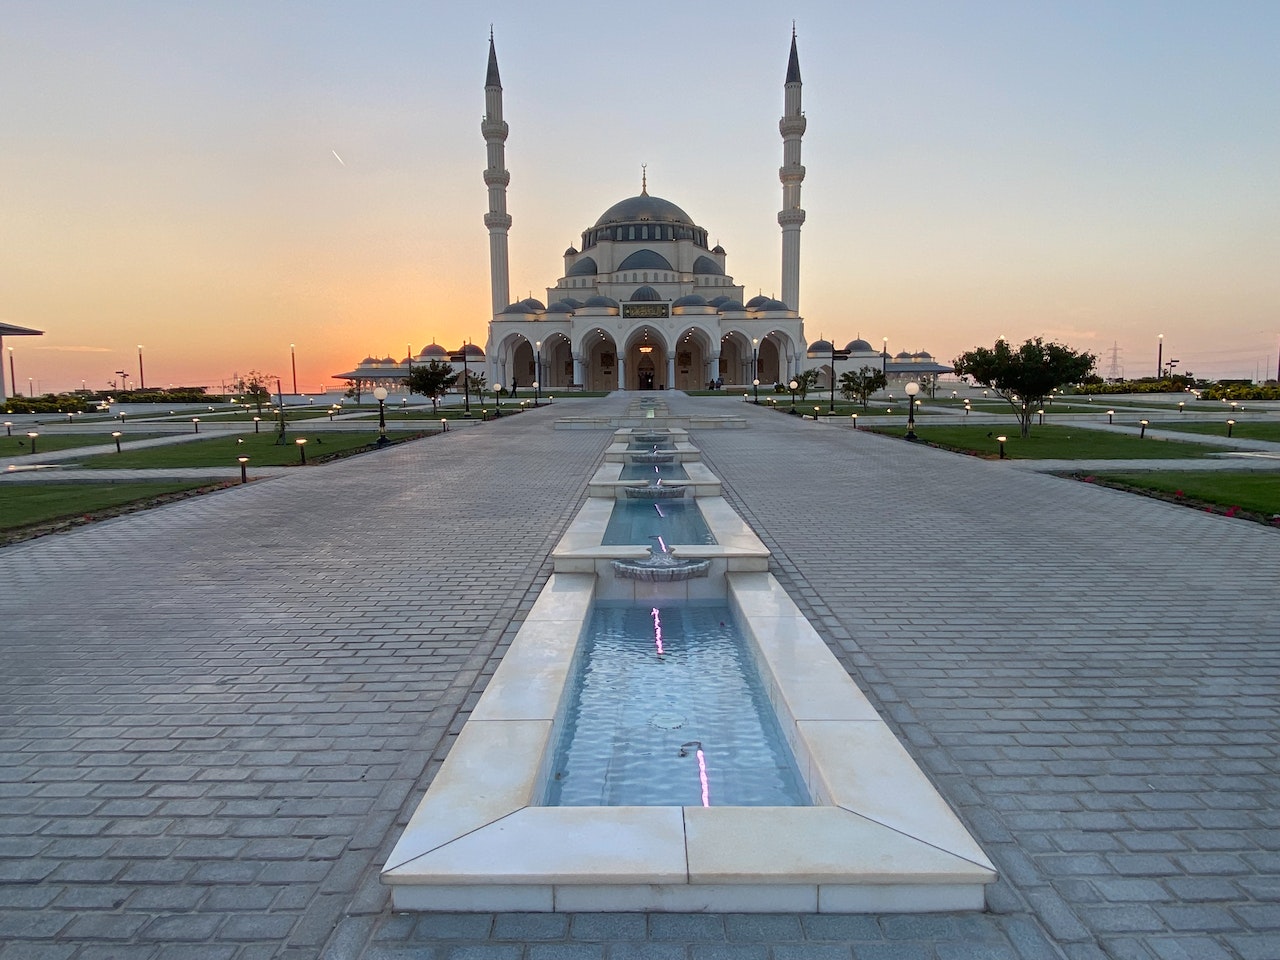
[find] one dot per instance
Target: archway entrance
(646, 375)
(602, 361)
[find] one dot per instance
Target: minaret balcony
(793, 126)
(493, 129)
(497, 178)
(791, 173)
(791, 218)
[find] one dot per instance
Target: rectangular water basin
(675, 521)
(665, 472)
(877, 837)
(610, 479)
(666, 708)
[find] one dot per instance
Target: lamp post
(1181, 404)
(1001, 441)
(244, 471)
(1040, 414)
(293, 363)
(1111, 414)
(142, 377)
(302, 449)
(380, 394)
(8, 428)
(855, 420)
(537, 386)
(537, 369)
(1230, 425)
(755, 385)
(1143, 424)
(115, 435)
(12, 379)
(884, 359)
(794, 385)
(256, 422)
(912, 389)
(755, 361)
(195, 422)
(1160, 357)
(31, 435)
(497, 400)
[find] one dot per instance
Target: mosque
(644, 303)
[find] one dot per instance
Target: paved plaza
(218, 715)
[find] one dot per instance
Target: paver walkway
(217, 715)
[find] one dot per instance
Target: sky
(219, 181)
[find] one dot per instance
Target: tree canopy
(860, 384)
(431, 379)
(1027, 375)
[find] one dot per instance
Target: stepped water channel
(668, 732)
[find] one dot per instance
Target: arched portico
(648, 360)
(692, 356)
(598, 358)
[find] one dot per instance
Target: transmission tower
(1116, 370)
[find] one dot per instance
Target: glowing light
(657, 630)
(660, 513)
(702, 777)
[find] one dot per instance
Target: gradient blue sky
(1095, 173)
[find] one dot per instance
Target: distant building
(391, 373)
(902, 367)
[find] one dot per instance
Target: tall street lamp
(794, 385)
(1160, 357)
(884, 358)
(497, 399)
(755, 360)
(537, 369)
(142, 377)
(380, 394)
(912, 389)
(293, 362)
(755, 385)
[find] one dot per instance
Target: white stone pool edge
(878, 838)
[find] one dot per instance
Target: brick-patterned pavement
(218, 715)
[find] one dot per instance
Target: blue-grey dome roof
(572, 251)
(573, 302)
(586, 267)
(922, 355)
(520, 306)
(729, 305)
(754, 302)
(471, 350)
(646, 293)
(717, 301)
(645, 260)
(771, 305)
(718, 250)
(601, 301)
(705, 264)
(820, 348)
(859, 346)
(690, 300)
(644, 207)
(533, 303)
(434, 350)
(559, 307)
(902, 355)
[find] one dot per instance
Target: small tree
(861, 384)
(432, 379)
(476, 383)
(807, 381)
(1026, 376)
(353, 391)
(256, 386)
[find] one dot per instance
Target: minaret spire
(496, 178)
(791, 216)
(644, 179)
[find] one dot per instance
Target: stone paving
(218, 715)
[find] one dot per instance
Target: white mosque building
(644, 303)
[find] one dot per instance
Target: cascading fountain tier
(661, 566)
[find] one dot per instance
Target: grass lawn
(1246, 429)
(26, 505)
(1050, 442)
(222, 451)
(18, 445)
(1257, 493)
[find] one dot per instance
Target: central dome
(644, 207)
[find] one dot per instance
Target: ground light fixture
(1001, 441)
(1181, 405)
(444, 425)
(8, 428)
(1143, 424)
(380, 394)
(1230, 425)
(31, 435)
(244, 469)
(195, 422)
(794, 385)
(1111, 416)
(816, 411)
(115, 435)
(912, 389)
(256, 422)
(855, 420)
(1041, 415)
(302, 449)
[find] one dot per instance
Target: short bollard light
(1041, 414)
(302, 449)
(1143, 424)
(1002, 440)
(1230, 425)
(195, 422)
(1181, 405)
(444, 425)
(1111, 416)
(31, 435)
(257, 421)
(816, 410)
(855, 420)
(115, 435)
(8, 428)
(244, 469)
(71, 418)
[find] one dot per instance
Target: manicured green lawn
(20, 445)
(1049, 442)
(1246, 429)
(24, 505)
(1255, 492)
(223, 451)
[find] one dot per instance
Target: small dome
(559, 307)
(368, 360)
(573, 302)
(773, 306)
(533, 303)
(922, 355)
(859, 346)
(718, 250)
(754, 302)
(645, 293)
(645, 260)
(902, 355)
(691, 300)
(572, 251)
(718, 301)
(586, 267)
(387, 360)
(731, 305)
(520, 307)
(820, 348)
(472, 350)
(601, 301)
(705, 265)
(433, 350)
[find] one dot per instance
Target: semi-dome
(586, 267)
(601, 301)
(690, 300)
(859, 346)
(644, 207)
(645, 260)
(705, 265)
(645, 293)
(820, 348)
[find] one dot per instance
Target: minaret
(496, 179)
(791, 216)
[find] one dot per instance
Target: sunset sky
(1097, 173)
